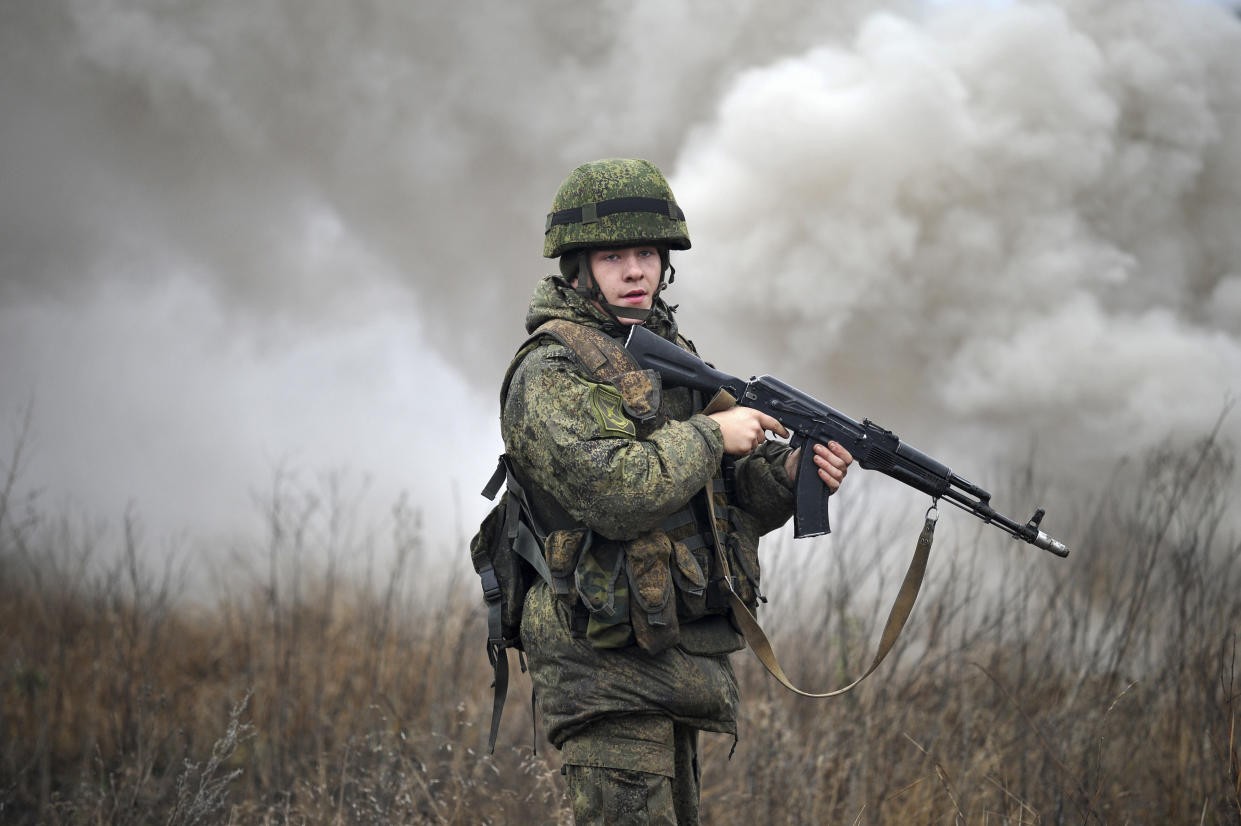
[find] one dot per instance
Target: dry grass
(315, 686)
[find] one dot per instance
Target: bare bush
(327, 683)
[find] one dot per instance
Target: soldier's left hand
(832, 460)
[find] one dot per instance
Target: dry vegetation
(315, 686)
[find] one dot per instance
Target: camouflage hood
(555, 298)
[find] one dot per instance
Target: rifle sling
(901, 608)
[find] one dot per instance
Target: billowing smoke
(1005, 227)
(238, 235)
(247, 143)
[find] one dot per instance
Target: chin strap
(588, 288)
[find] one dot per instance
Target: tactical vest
(640, 591)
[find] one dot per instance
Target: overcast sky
(236, 236)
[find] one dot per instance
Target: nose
(633, 269)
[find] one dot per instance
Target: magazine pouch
(652, 610)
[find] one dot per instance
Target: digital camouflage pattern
(660, 787)
(608, 797)
(622, 487)
(605, 180)
(617, 485)
(579, 685)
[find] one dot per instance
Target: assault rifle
(873, 447)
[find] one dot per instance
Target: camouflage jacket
(567, 444)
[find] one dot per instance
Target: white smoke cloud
(236, 408)
(208, 208)
(231, 234)
(1011, 223)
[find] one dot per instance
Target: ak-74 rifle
(873, 447)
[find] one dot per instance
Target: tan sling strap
(901, 608)
(594, 349)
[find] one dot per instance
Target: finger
(772, 423)
(824, 455)
(840, 450)
(835, 453)
(835, 470)
(830, 460)
(831, 474)
(830, 478)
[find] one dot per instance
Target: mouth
(634, 296)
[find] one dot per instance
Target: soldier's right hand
(745, 428)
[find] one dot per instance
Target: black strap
(497, 479)
(534, 715)
(527, 547)
(683, 517)
(590, 213)
(499, 665)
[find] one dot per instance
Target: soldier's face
(627, 277)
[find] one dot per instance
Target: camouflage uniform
(627, 719)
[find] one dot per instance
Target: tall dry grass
(324, 679)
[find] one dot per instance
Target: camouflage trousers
(637, 769)
(627, 722)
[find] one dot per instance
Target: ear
(570, 264)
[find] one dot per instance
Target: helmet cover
(615, 202)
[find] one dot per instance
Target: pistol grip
(810, 496)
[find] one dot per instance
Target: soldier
(643, 498)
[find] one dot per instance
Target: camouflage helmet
(614, 202)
